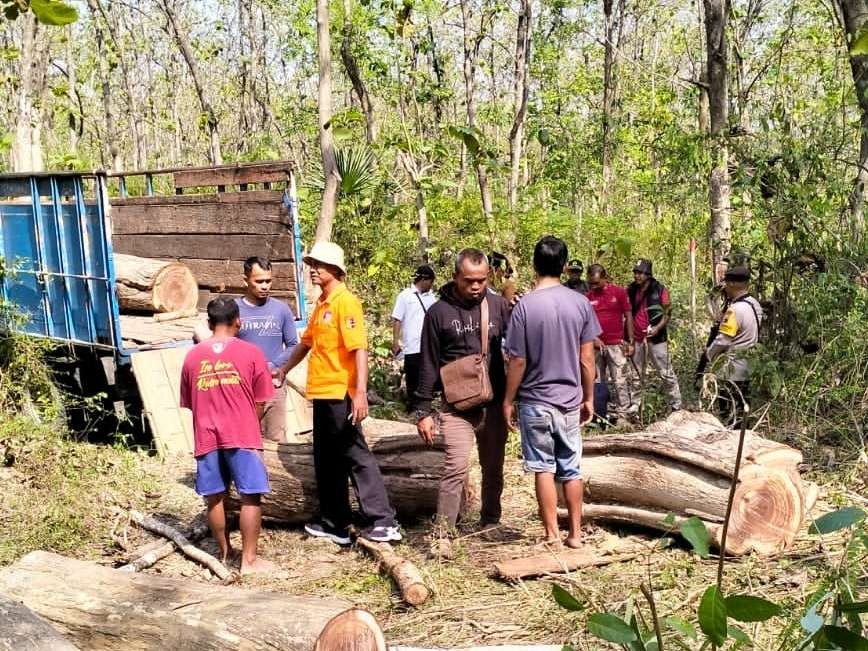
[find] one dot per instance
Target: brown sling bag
(465, 381)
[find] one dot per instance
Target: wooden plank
(229, 218)
(250, 196)
(280, 248)
(233, 174)
(158, 376)
(228, 275)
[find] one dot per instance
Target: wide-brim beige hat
(328, 253)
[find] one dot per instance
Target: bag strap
(483, 326)
(421, 302)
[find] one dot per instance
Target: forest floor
(467, 606)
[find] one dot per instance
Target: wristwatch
(422, 413)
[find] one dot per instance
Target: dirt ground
(467, 605)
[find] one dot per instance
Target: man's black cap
(643, 267)
(738, 274)
(575, 265)
(424, 271)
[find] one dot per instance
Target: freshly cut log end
(767, 512)
(146, 285)
(352, 630)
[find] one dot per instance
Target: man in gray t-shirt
(550, 342)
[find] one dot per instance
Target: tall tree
(198, 81)
(716, 17)
(472, 43)
(355, 75)
(520, 89)
(613, 17)
(855, 16)
(111, 136)
(27, 153)
(329, 205)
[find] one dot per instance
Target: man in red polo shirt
(612, 306)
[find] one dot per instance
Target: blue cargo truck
(60, 231)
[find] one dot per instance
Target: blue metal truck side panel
(56, 260)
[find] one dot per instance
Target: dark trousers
(730, 402)
(341, 453)
(412, 366)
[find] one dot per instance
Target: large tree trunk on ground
(100, 608)
(684, 466)
(716, 18)
(146, 285)
(855, 14)
(411, 471)
(22, 630)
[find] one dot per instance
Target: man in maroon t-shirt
(225, 382)
(612, 307)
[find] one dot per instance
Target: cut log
(411, 471)
(405, 574)
(22, 630)
(352, 630)
(145, 285)
(100, 608)
(683, 465)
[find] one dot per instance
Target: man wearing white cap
(337, 383)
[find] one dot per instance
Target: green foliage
(712, 615)
(840, 519)
(695, 532)
(611, 628)
(48, 12)
(565, 600)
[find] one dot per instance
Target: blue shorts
(245, 468)
(551, 440)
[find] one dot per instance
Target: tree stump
(146, 285)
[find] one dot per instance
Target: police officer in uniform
(737, 334)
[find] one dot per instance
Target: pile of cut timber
(99, 608)
(684, 466)
(146, 285)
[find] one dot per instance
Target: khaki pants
(659, 355)
(459, 430)
(612, 367)
(273, 420)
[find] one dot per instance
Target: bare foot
(259, 566)
(573, 543)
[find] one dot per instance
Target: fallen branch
(189, 549)
(565, 560)
(403, 572)
(147, 555)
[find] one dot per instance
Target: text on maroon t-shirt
(221, 382)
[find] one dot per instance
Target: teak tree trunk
(190, 59)
(855, 14)
(111, 135)
(613, 17)
(146, 285)
(26, 154)
(683, 465)
(355, 75)
(716, 17)
(523, 33)
(472, 43)
(329, 205)
(99, 608)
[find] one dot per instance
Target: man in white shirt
(407, 318)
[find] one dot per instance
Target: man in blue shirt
(269, 324)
